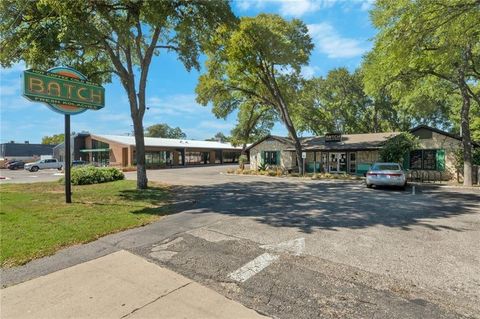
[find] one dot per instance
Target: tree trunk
(466, 138)
(142, 181)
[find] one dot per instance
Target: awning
(95, 150)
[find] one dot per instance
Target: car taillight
(371, 174)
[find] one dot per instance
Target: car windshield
(386, 167)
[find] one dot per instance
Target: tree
(258, 61)
(109, 37)
(429, 42)
(253, 123)
(55, 139)
(220, 137)
(335, 103)
(396, 148)
(338, 102)
(165, 131)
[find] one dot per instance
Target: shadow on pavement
(310, 206)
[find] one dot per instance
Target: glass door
(337, 163)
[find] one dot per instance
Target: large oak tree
(258, 61)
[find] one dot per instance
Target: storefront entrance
(337, 163)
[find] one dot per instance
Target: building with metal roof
(119, 150)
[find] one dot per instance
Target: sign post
(68, 92)
(304, 156)
(68, 185)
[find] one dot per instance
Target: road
(294, 248)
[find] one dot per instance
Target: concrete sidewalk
(119, 285)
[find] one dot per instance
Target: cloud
(309, 71)
(366, 5)
(10, 87)
(244, 5)
(15, 68)
(298, 8)
(216, 125)
(331, 43)
(176, 104)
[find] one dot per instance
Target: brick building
(118, 150)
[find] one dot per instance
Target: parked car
(43, 164)
(79, 163)
(16, 165)
(386, 174)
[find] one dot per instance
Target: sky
(340, 29)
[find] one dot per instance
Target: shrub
(94, 175)
(395, 149)
(272, 173)
(262, 167)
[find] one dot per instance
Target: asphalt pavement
(24, 176)
(294, 248)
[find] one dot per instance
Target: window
(271, 158)
(416, 159)
(427, 159)
(430, 159)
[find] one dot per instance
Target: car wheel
(59, 168)
(34, 169)
(369, 185)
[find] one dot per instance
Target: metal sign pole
(66, 164)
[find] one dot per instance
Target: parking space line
(253, 267)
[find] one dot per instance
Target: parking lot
(24, 176)
(297, 248)
(419, 248)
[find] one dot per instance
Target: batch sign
(64, 90)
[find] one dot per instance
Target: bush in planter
(94, 175)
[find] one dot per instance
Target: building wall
(432, 140)
(428, 140)
(287, 158)
(368, 156)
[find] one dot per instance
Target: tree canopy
(165, 131)
(110, 37)
(253, 123)
(54, 139)
(258, 61)
(425, 47)
(219, 137)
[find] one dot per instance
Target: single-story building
(119, 150)
(354, 153)
(26, 151)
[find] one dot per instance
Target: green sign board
(64, 90)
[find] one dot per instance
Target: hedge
(94, 175)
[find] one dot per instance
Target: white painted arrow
(296, 246)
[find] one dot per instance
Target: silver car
(386, 174)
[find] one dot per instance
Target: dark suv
(16, 165)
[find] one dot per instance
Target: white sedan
(386, 174)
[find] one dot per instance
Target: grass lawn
(35, 221)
